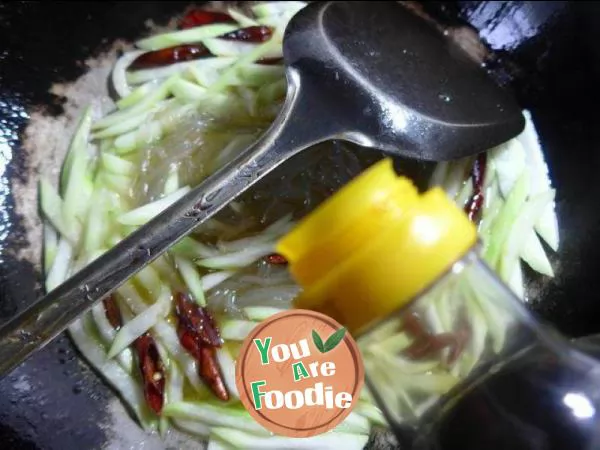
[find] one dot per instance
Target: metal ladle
(371, 73)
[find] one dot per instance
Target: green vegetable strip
(241, 18)
(227, 365)
(78, 145)
(393, 344)
(439, 174)
(141, 323)
(237, 330)
(160, 93)
(274, 9)
(114, 182)
(50, 245)
(190, 248)
(78, 191)
(479, 331)
(214, 415)
(207, 65)
(239, 259)
(107, 334)
(193, 427)
(96, 229)
(82, 333)
(216, 444)
(175, 380)
(52, 208)
(258, 75)
(496, 319)
(163, 426)
(506, 218)
(226, 48)
(521, 229)
(146, 134)
(534, 255)
(192, 35)
(214, 279)
(116, 165)
(119, 128)
(167, 336)
(172, 183)
(143, 214)
(259, 313)
(118, 76)
(165, 268)
(137, 95)
(186, 91)
(149, 279)
(230, 74)
(192, 279)
(61, 265)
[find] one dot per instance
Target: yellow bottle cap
(373, 246)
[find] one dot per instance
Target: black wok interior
(548, 51)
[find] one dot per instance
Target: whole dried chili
(112, 312)
(199, 17)
(276, 259)
(170, 55)
(269, 61)
(258, 33)
(150, 364)
(427, 345)
(473, 206)
(190, 52)
(199, 335)
(153, 373)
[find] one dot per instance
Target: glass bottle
(452, 358)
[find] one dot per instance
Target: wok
(547, 50)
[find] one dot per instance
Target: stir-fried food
(187, 102)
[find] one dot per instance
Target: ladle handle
(48, 317)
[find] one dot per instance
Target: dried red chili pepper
(153, 373)
(413, 324)
(427, 345)
(199, 17)
(473, 206)
(199, 335)
(211, 372)
(258, 33)
(276, 259)
(150, 364)
(190, 52)
(167, 56)
(113, 314)
(430, 346)
(198, 321)
(270, 61)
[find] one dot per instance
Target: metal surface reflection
(581, 406)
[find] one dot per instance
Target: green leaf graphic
(333, 340)
(318, 341)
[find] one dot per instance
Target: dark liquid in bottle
(534, 402)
